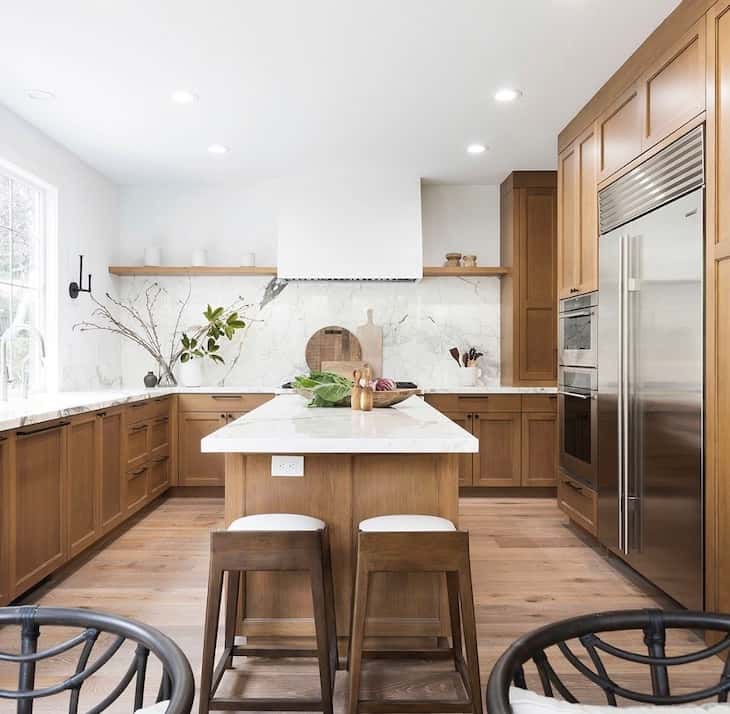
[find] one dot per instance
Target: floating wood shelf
(428, 271)
(190, 270)
(476, 272)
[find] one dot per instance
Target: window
(22, 289)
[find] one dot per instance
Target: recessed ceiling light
(40, 94)
(182, 96)
(476, 148)
(507, 94)
(218, 149)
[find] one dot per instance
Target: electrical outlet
(291, 466)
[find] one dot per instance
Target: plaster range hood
(359, 227)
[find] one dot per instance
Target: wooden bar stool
(414, 543)
(268, 542)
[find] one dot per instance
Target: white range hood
(360, 227)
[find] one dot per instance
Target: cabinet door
(465, 421)
(38, 538)
(568, 228)
(498, 460)
(137, 488)
(82, 492)
(587, 205)
(537, 323)
(111, 469)
(619, 133)
(5, 522)
(539, 448)
(674, 88)
(196, 468)
(159, 474)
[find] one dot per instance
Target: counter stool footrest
(266, 705)
(429, 654)
(405, 706)
(271, 653)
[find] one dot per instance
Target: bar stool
(268, 542)
(415, 543)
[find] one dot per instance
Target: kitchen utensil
(371, 342)
(454, 352)
(453, 260)
(331, 344)
(343, 367)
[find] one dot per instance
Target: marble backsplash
(421, 321)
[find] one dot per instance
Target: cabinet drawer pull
(45, 428)
(160, 459)
(575, 488)
(139, 472)
(101, 414)
(226, 396)
(473, 396)
(162, 420)
(141, 427)
(138, 405)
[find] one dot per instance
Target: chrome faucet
(4, 371)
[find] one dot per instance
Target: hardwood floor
(529, 568)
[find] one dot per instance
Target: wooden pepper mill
(356, 390)
(366, 393)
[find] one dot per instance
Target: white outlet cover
(287, 466)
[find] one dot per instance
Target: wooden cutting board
(343, 368)
(371, 341)
(332, 344)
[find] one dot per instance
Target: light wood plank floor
(529, 567)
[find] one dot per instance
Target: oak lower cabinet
(38, 504)
(198, 416)
(111, 471)
(5, 511)
(518, 437)
(82, 483)
(498, 462)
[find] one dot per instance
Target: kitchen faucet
(4, 371)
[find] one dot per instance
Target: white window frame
(48, 273)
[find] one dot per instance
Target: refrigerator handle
(622, 452)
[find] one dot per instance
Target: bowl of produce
(326, 389)
(386, 394)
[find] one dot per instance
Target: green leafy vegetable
(327, 389)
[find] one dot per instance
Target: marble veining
(286, 425)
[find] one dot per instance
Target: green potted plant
(219, 323)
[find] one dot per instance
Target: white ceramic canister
(200, 257)
(152, 255)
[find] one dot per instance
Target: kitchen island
(356, 465)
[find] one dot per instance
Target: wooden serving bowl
(381, 400)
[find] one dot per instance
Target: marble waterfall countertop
(286, 425)
(45, 407)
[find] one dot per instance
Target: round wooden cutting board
(332, 344)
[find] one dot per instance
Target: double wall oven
(578, 388)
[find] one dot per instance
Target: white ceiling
(293, 84)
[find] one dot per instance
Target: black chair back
(585, 630)
(176, 685)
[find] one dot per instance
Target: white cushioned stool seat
(277, 522)
(406, 523)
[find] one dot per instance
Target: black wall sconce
(75, 288)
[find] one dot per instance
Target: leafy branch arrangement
(220, 323)
(134, 320)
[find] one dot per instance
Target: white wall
(88, 224)
(460, 219)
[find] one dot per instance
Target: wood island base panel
(342, 490)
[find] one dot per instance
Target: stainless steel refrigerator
(650, 369)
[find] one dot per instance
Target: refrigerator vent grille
(673, 172)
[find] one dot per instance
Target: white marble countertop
(45, 407)
(286, 425)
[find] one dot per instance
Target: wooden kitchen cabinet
(6, 446)
(539, 448)
(465, 421)
(528, 232)
(39, 506)
(111, 471)
(197, 468)
(620, 132)
(83, 483)
(498, 462)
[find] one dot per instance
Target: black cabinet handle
(141, 427)
(162, 420)
(101, 414)
(45, 428)
(139, 472)
(137, 405)
(226, 396)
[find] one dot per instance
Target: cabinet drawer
(139, 411)
(137, 486)
(159, 432)
(475, 402)
(159, 407)
(137, 445)
(539, 402)
(222, 402)
(579, 503)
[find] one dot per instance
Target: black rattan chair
(176, 685)
(651, 624)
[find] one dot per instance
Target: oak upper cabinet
(578, 217)
(82, 483)
(528, 227)
(111, 469)
(465, 421)
(673, 89)
(39, 506)
(498, 462)
(620, 132)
